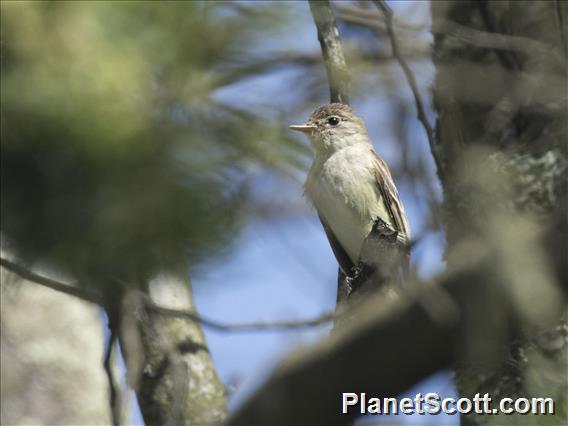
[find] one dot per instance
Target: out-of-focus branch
(254, 68)
(175, 313)
(503, 91)
(369, 18)
(464, 316)
(114, 394)
(69, 289)
(80, 293)
(355, 358)
(335, 65)
(298, 59)
(378, 22)
(496, 41)
(252, 326)
(388, 15)
(363, 21)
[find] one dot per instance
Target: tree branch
(178, 384)
(335, 65)
(252, 326)
(191, 315)
(70, 289)
(368, 18)
(496, 41)
(114, 396)
(388, 15)
(475, 37)
(355, 358)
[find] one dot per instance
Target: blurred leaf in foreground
(116, 160)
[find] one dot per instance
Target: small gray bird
(349, 184)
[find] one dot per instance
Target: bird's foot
(355, 273)
(356, 277)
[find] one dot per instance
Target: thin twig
(252, 326)
(388, 14)
(70, 289)
(193, 316)
(114, 398)
(335, 65)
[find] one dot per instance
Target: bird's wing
(394, 206)
(340, 254)
(390, 197)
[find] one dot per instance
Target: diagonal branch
(355, 359)
(70, 289)
(368, 18)
(388, 14)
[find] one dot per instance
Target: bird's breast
(343, 190)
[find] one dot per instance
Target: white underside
(343, 190)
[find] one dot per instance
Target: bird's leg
(357, 276)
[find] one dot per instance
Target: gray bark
(52, 348)
(328, 35)
(168, 360)
(504, 95)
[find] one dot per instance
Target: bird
(349, 184)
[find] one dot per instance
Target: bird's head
(332, 127)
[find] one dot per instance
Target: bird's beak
(304, 128)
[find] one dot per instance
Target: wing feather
(392, 202)
(391, 199)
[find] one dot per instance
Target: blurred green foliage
(117, 161)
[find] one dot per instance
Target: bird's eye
(333, 120)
